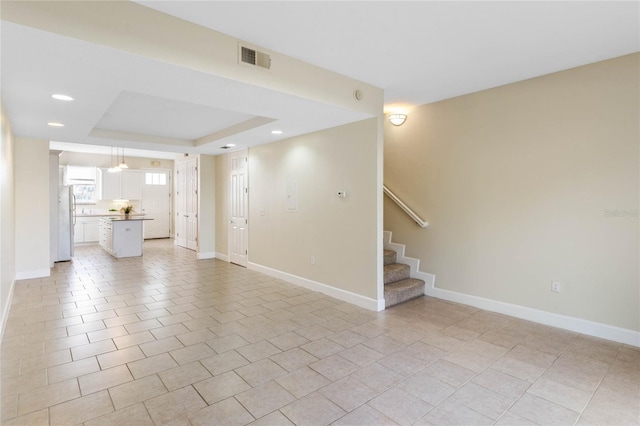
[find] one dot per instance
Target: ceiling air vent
(256, 58)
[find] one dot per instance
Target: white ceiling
(418, 52)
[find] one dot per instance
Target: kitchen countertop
(111, 214)
(122, 218)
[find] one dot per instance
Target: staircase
(398, 285)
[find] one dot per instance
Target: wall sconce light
(397, 119)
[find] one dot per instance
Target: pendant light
(115, 168)
(122, 164)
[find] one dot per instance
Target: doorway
(156, 203)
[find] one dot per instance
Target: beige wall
(32, 208)
(222, 204)
(526, 184)
(340, 233)
(206, 206)
(7, 217)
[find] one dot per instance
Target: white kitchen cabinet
(124, 185)
(86, 230)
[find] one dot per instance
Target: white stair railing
(404, 207)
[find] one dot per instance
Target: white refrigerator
(66, 221)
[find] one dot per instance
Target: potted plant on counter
(127, 210)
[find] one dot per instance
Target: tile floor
(168, 339)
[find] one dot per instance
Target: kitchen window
(83, 180)
(155, 178)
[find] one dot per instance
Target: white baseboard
(5, 311)
(578, 325)
(206, 255)
(36, 273)
(344, 295)
(222, 257)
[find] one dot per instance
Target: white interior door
(181, 204)
(192, 204)
(156, 203)
(239, 212)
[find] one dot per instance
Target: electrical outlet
(555, 287)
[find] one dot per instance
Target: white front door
(239, 212)
(156, 203)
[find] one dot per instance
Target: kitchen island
(121, 236)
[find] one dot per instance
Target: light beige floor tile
(47, 396)
(347, 338)
(184, 375)
(156, 347)
(227, 412)
(568, 397)
(264, 399)
(365, 415)
(299, 344)
(293, 359)
(119, 357)
(40, 417)
(361, 355)
(151, 365)
(501, 383)
(334, 367)
(135, 415)
(224, 362)
(274, 419)
(510, 419)
(543, 412)
(71, 370)
(109, 333)
(482, 400)
(452, 414)
(302, 382)
(348, 393)
(105, 379)
(174, 405)
(221, 387)
(399, 406)
(287, 341)
(192, 353)
(257, 351)
(260, 372)
(402, 363)
(193, 337)
(450, 373)
(136, 391)
(377, 377)
(81, 409)
(428, 388)
(313, 410)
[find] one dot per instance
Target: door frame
(170, 173)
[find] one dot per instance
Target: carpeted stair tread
(401, 291)
(396, 272)
(389, 257)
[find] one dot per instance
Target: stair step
(401, 291)
(389, 257)
(396, 272)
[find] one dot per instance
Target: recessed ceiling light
(230, 145)
(53, 124)
(61, 97)
(276, 132)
